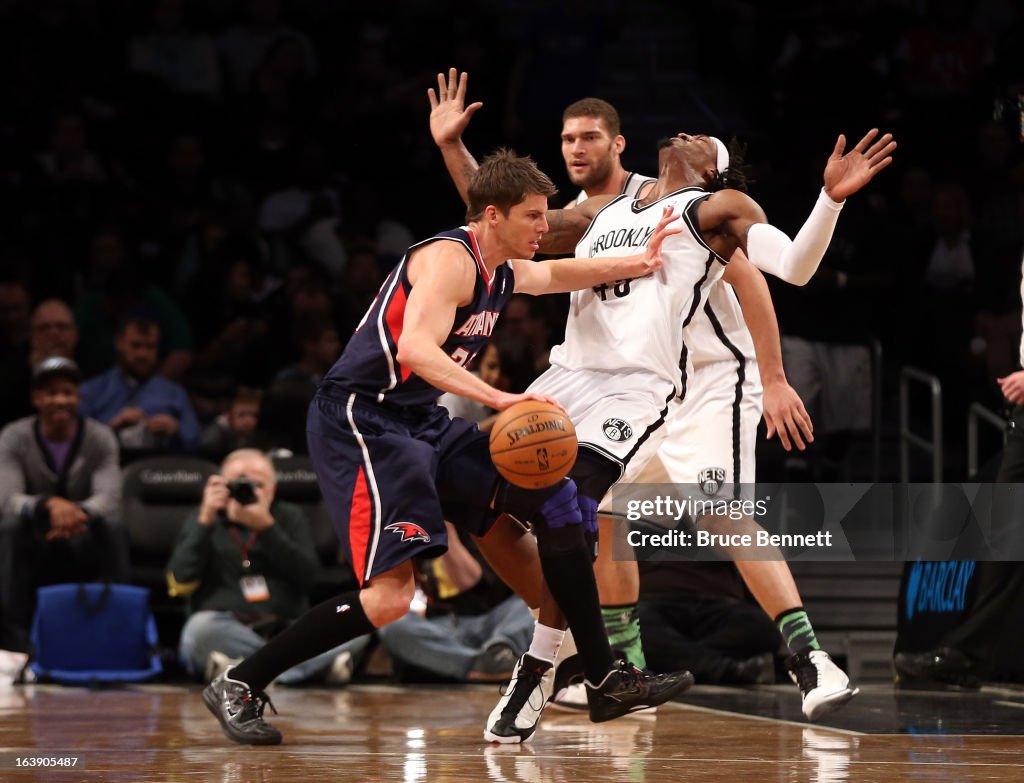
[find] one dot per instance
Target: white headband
(722, 163)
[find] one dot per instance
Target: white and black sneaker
(823, 685)
(515, 717)
(240, 711)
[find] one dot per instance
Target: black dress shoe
(937, 670)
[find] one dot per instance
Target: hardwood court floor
(421, 734)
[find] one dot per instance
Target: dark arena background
(242, 175)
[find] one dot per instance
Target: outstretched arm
(770, 249)
(573, 274)
(449, 117)
(784, 412)
(442, 277)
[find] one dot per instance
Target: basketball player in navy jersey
(392, 465)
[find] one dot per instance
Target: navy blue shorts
(390, 479)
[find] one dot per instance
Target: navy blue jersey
(369, 365)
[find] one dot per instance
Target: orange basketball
(533, 444)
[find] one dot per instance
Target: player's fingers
(878, 156)
(806, 426)
(803, 427)
(874, 169)
(878, 144)
(432, 97)
(769, 424)
(461, 92)
(473, 107)
(545, 398)
(442, 86)
(794, 433)
(784, 436)
(840, 146)
(453, 83)
(863, 143)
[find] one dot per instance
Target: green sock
(796, 630)
(622, 624)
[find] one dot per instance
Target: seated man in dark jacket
(247, 562)
(60, 496)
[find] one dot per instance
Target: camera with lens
(243, 490)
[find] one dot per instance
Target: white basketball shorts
(620, 416)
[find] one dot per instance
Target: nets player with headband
(392, 465)
(607, 344)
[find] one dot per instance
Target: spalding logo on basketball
(617, 430)
(533, 444)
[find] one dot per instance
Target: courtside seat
(296, 483)
(159, 494)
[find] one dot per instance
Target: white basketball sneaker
(515, 717)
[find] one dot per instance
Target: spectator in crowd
(147, 411)
(246, 561)
(697, 616)
(472, 628)
(52, 332)
(318, 337)
(60, 494)
(114, 288)
(487, 366)
(233, 429)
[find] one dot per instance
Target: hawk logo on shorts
(409, 532)
(711, 480)
(617, 430)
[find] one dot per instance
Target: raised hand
(846, 174)
(449, 115)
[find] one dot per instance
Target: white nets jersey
(631, 187)
(637, 325)
(718, 332)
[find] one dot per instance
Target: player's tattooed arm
(449, 117)
(567, 226)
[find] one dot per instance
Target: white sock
(546, 641)
(568, 648)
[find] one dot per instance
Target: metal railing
(876, 409)
(975, 414)
(932, 447)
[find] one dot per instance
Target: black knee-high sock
(326, 625)
(565, 561)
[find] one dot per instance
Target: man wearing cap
(60, 497)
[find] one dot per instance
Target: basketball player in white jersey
(610, 363)
(721, 409)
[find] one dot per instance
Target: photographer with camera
(246, 562)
